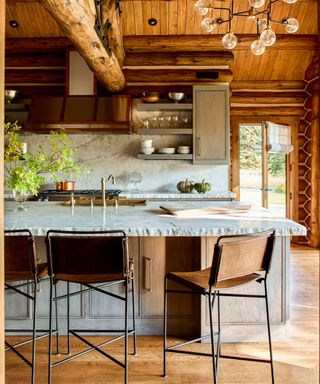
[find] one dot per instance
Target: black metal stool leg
(57, 321)
(126, 334)
(34, 333)
(134, 321)
(218, 339)
(68, 317)
(164, 374)
(269, 331)
(210, 307)
(50, 333)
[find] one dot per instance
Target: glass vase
(20, 198)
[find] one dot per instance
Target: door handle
(147, 275)
(198, 146)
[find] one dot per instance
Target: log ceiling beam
(77, 21)
(267, 85)
(38, 44)
(212, 43)
(170, 60)
(140, 44)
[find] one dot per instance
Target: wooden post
(77, 21)
(235, 159)
(2, 34)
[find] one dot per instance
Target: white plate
(183, 151)
(167, 150)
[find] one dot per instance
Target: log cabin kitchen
(160, 211)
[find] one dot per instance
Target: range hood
(80, 113)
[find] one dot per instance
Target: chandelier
(259, 11)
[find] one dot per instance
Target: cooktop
(53, 194)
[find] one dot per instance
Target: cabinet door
(211, 124)
(153, 259)
(160, 255)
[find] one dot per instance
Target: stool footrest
(94, 347)
(12, 346)
(172, 347)
(245, 358)
(189, 352)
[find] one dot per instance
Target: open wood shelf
(163, 106)
(164, 156)
(164, 131)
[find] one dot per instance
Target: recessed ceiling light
(14, 23)
(152, 21)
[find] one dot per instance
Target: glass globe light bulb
(268, 37)
(201, 8)
(290, 1)
(257, 47)
(229, 40)
(207, 24)
(256, 3)
(292, 25)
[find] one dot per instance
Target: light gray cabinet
(211, 124)
(153, 256)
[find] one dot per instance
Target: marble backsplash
(106, 154)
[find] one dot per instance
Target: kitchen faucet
(112, 178)
(103, 186)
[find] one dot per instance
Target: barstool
(237, 260)
(96, 260)
(22, 271)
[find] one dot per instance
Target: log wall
(309, 160)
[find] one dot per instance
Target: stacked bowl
(183, 149)
(146, 147)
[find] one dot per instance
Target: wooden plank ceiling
(177, 19)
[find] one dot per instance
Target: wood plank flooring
(296, 361)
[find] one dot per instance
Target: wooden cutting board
(206, 211)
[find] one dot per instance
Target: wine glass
(175, 121)
(135, 178)
(185, 121)
(154, 122)
(20, 198)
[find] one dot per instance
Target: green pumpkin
(185, 186)
(202, 187)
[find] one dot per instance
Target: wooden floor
(296, 362)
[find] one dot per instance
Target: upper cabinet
(211, 124)
(80, 113)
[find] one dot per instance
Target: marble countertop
(147, 220)
(178, 195)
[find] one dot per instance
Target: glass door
(263, 175)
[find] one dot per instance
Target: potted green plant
(25, 172)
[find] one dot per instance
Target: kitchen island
(160, 242)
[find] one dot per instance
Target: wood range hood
(80, 113)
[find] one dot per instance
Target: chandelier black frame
(265, 35)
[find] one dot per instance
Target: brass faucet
(112, 178)
(103, 195)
